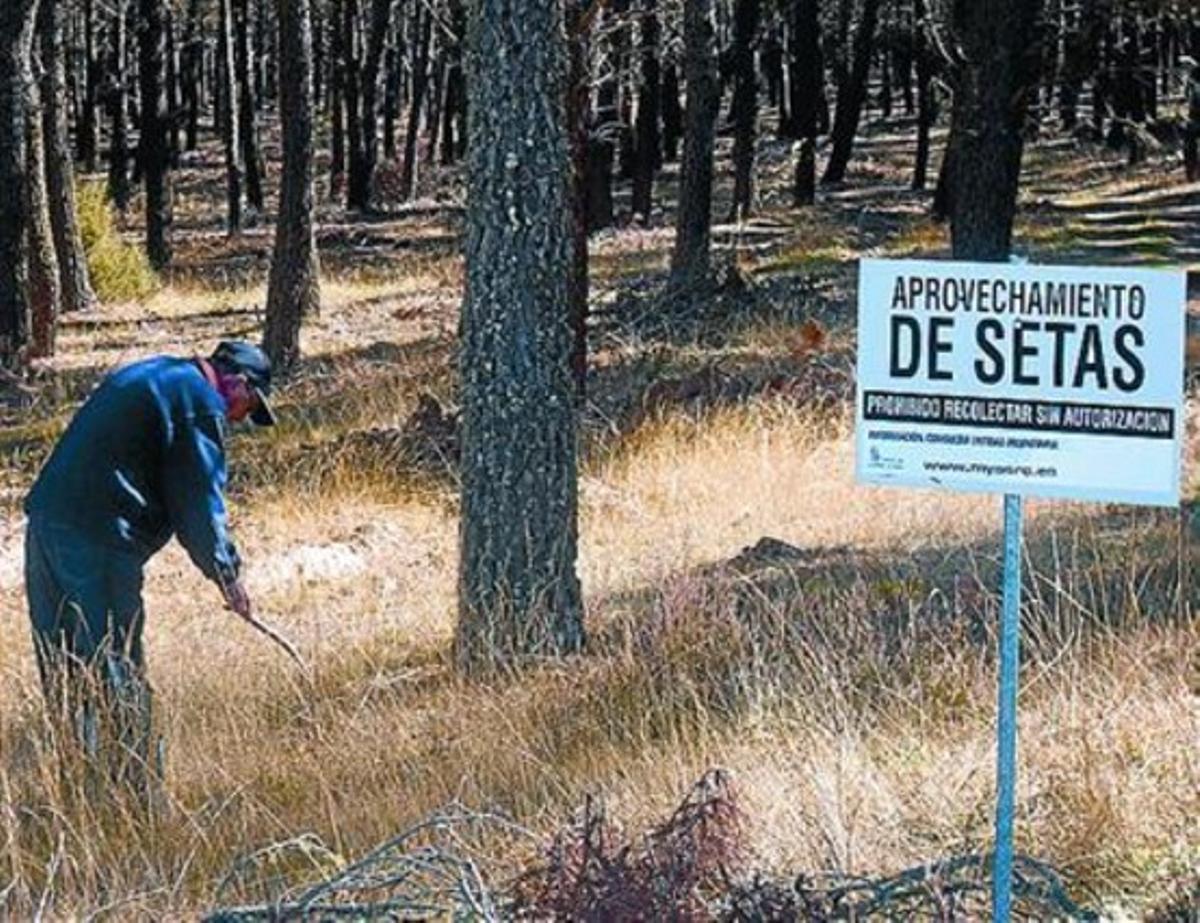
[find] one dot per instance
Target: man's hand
(237, 599)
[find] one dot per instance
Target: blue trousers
(85, 606)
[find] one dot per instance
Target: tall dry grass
(849, 690)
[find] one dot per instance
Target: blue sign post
(1006, 734)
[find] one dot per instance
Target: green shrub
(119, 270)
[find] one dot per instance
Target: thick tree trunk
(579, 21)
(999, 44)
(231, 123)
(692, 254)
(519, 595)
(117, 96)
(805, 69)
(247, 109)
(648, 137)
(16, 82)
(851, 95)
(294, 288)
(44, 288)
(747, 14)
(154, 151)
(74, 287)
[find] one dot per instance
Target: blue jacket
(144, 458)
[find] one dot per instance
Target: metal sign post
(1006, 732)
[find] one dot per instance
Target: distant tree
(925, 100)
(747, 16)
(519, 595)
(17, 18)
(74, 286)
(154, 148)
(248, 105)
(805, 68)
(86, 135)
(231, 122)
(363, 49)
(116, 96)
(691, 256)
(420, 87)
(647, 144)
(997, 74)
(293, 291)
(852, 93)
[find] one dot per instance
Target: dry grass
(849, 689)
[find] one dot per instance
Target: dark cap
(240, 357)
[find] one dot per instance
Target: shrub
(119, 270)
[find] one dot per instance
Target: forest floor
(842, 672)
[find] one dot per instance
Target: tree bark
(337, 94)
(648, 137)
(747, 15)
(519, 595)
(805, 68)
(993, 86)
(691, 256)
(193, 64)
(579, 19)
(16, 43)
(851, 95)
(155, 150)
(362, 104)
(293, 291)
(672, 112)
(74, 287)
(925, 101)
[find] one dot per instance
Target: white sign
(1044, 380)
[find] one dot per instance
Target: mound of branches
(427, 872)
(592, 872)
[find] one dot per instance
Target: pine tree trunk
(420, 86)
(747, 14)
(992, 92)
(851, 96)
(193, 62)
(86, 140)
(230, 121)
(648, 138)
(117, 96)
(337, 94)
(293, 292)
(672, 112)
(805, 68)
(602, 152)
(925, 101)
(154, 151)
(247, 109)
(391, 93)
(691, 257)
(519, 595)
(362, 104)
(75, 289)
(16, 81)
(44, 291)
(578, 117)
(173, 92)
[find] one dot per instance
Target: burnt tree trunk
(17, 19)
(805, 69)
(648, 136)
(747, 16)
(519, 594)
(991, 95)
(691, 256)
(851, 95)
(74, 288)
(154, 150)
(293, 291)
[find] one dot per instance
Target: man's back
(106, 475)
